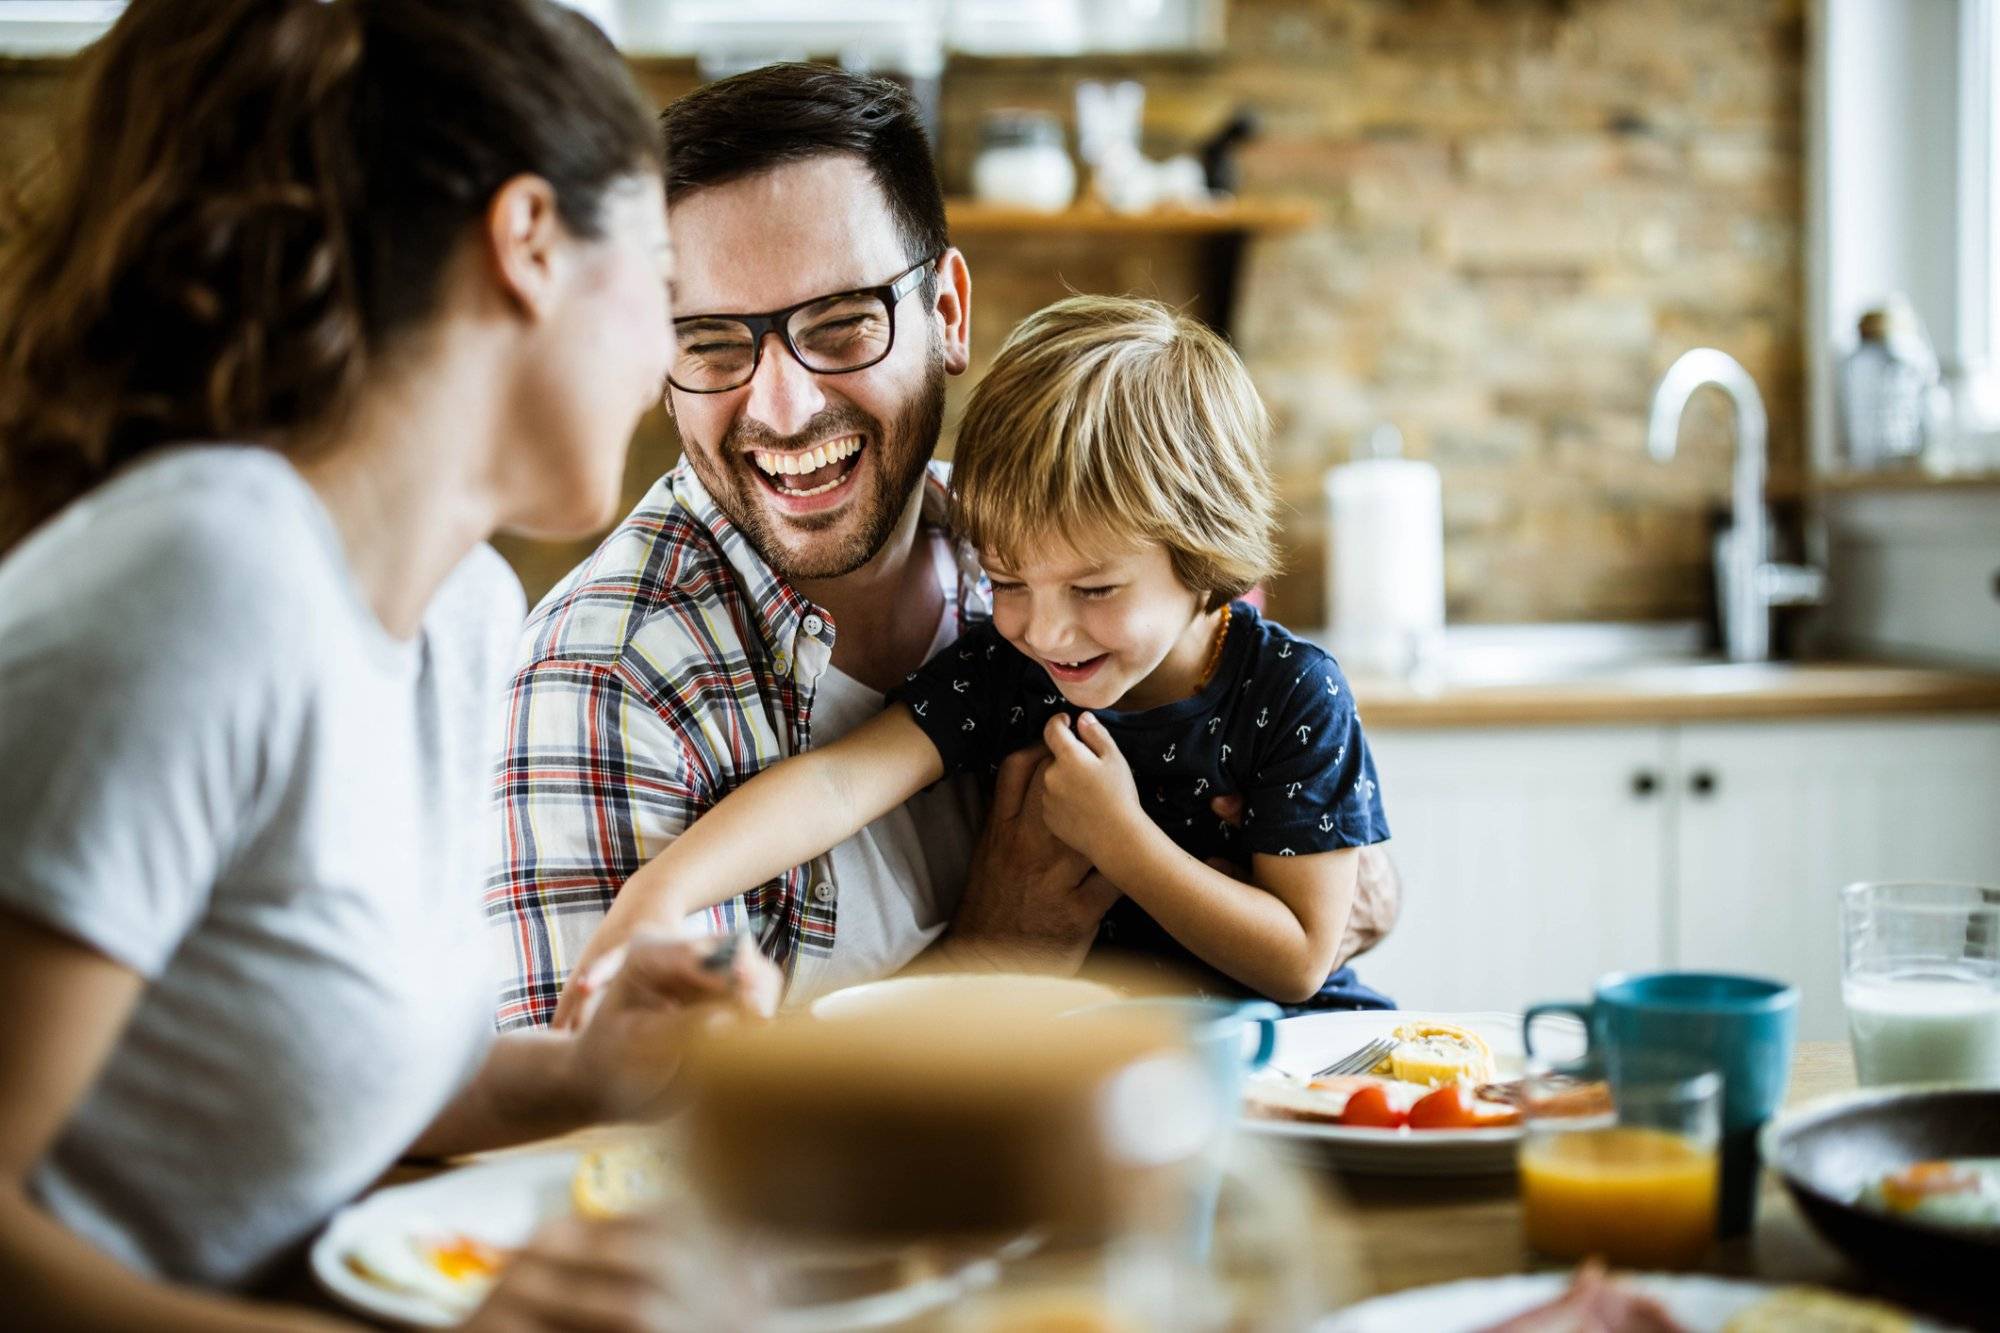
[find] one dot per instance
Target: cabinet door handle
(1644, 783)
(1703, 782)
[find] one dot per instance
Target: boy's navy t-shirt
(1276, 725)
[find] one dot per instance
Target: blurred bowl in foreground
(1828, 1152)
(1023, 994)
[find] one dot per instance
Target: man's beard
(902, 451)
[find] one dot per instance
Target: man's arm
(1031, 904)
(1378, 901)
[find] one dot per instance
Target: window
(53, 27)
(1904, 195)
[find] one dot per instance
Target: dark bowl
(1827, 1151)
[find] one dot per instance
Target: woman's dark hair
(751, 122)
(259, 197)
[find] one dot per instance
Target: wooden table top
(1415, 1232)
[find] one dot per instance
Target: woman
(329, 294)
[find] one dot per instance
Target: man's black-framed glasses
(828, 335)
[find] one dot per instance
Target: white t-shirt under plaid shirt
(670, 667)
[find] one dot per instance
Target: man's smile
(820, 474)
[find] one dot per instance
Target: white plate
(503, 1200)
(1703, 1304)
(1313, 1041)
(500, 1201)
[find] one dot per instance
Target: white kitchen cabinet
(1537, 858)
(1534, 860)
(1774, 819)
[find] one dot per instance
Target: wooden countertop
(1692, 692)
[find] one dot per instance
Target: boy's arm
(1278, 935)
(1378, 888)
(786, 815)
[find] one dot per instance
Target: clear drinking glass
(1621, 1158)
(1921, 979)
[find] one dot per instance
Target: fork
(1359, 1061)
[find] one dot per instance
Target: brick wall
(1529, 208)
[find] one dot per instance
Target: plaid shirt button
(823, 891)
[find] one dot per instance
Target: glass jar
(1886, 398)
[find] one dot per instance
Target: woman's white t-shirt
(218, 769)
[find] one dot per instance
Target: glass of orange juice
(1620, 1158)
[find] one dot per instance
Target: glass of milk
(1921, 978)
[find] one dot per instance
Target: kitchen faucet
(1747, 582)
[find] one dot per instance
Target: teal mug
(1742, 1027)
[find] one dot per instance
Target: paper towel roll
(1385, 564)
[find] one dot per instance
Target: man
(822, 307)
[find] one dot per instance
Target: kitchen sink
(1499, 655)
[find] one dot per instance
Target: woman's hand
(648, 1001)
(643, 1001)
(1090, 794)
(577, 1274)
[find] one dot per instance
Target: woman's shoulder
(212, 515)
(481, 609)
(197, 558)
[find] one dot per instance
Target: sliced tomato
(1368, 1107)
(1446, 1108)
(1450, 1107)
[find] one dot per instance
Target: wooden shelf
(1846, 483)
(969, 217)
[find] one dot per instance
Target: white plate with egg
(1313, 1041)
(425, 1254)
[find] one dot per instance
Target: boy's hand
(1091, 796)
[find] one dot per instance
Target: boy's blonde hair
(1104, 412)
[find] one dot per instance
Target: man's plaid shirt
(669, 667)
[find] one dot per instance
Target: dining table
(1402, 1232)
(1413, 1232)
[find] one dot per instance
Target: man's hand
(1378, 889)
(645, 1000)
(1031, 902)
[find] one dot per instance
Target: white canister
(1385, 564)
(1023, 162)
